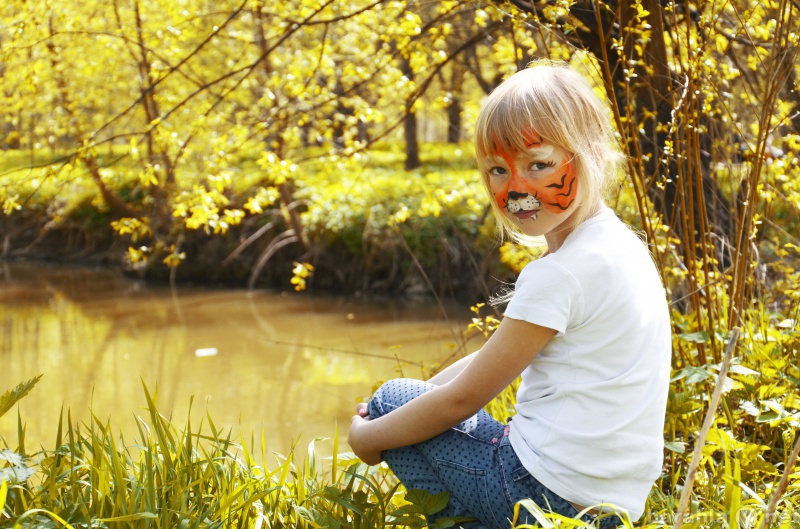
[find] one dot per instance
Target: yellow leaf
(722, 43)
(301, 272)
(10, 205)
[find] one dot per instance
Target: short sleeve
(546, 294)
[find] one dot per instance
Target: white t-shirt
(591, 406)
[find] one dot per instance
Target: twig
(707, 422)
(345, 351)
(285, 238)
(778, 492)
(250, 240)
(424, 275)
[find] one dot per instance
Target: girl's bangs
(504, 129)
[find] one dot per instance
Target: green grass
(189, 477)
(200, 476)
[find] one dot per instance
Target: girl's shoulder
(603, 249)
(603, 236)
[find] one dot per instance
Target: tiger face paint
(542, 176)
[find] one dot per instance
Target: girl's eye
(539, 166)
(497, 171)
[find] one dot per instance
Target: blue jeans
(474, 461)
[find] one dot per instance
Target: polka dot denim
(474, 461)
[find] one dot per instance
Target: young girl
(587, 328)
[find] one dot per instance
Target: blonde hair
(558, 104)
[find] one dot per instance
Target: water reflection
(289, 366)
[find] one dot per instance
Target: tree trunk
(473, 66)
(340, 117)
(410, 123)
(284, 189)
(455, 108)
(161, 221)
(412, 145)
(117, 206)
(645, 105)
(454, 121)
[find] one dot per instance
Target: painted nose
(514, 195)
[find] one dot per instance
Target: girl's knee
(394, 393)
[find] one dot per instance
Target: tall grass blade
(129, 517)
(3, 494)
(334, 469)
(60, 429)
(21, 428)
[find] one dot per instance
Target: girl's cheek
(500, 194)
(500, 199)
(560, 192)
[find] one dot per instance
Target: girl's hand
(358, 434)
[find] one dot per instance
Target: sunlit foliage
(151, 112)
(159, 124)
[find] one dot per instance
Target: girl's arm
(511, 348)
(445, 375)
(450, 372)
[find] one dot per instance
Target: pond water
(288, 366)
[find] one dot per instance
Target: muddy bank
(449, 264)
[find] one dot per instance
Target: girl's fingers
(361, 409)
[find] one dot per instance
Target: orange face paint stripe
(501, 196)
(531, 139)
(545, 194)
(557, 202)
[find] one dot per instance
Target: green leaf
(17, 472)
(693, 375)
(767, 417)
(741, 370)
(428, 503)
(749, 408)
(437, 502)
(695, 337)
(451, 521)
(13, 396)
(677, 447)
(305, 514)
